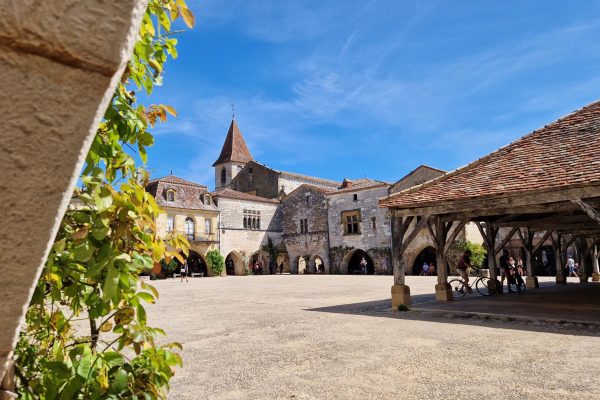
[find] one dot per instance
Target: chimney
(346, 183)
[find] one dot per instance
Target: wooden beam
(588, 209)
(542, 241)
(506, 239)
(455, 233)
(418, 227)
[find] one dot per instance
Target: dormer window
(207, 199)
(170, 195)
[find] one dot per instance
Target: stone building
(305, 229)
(358, 228)
(189, 209)
(247, 224)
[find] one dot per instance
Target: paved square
(332, 337)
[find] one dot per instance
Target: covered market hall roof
(560, 157)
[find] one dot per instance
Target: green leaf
(147, 297)
(110, 283)
(83, 369)
(72, 389)
(120, 382)
(141, 314)
(83, 251)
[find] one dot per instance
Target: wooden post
(584, 249)
(489, 235)
(557, 246)
(595, 267)
(439, 232)
(527, 241)
(400, 291)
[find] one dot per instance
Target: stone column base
(400, 296)
(561, 280)
(494, 286)
(532, 282)
(443, 292)
(595, 277)
(583, 278)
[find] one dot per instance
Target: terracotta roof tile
(563, 153)
(234, 194)
(234, 148)
(188, 194)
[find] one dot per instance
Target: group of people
(512, 272)
(428, 269)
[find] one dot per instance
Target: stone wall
(242, 243)
(420, 175)
(374, 240)
(310, 204)
(257, 179)
(60, 63)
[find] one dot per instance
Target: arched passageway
(259, 263)
(317, 266)
(234, 264)
(361, 263)
(300, 265)
(283, 262)
(196, 264)
(426, 256)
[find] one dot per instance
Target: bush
(457, 249)
(216, 262)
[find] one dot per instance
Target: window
(223, 176)
(304, 225)
(374, 223)
(207, 199)
(189, 228)
(351, 220)
(307, 198)
(170, 223)
(355, 197)
(170, 195)
(251, 219)
(207, 225)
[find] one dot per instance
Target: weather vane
(232, 111)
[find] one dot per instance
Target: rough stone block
(400, 295)
(443, 292)
(532, 282)
(595, 277)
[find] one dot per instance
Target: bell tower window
(223, 176)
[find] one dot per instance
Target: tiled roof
(234, 194)
(187, 194)
(360, 184)
(320, 189)
(177, 180)
(562, 154)
(234, 148)
(312, 179)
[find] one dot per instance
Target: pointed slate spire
(234, 148)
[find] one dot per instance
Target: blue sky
(351, 89)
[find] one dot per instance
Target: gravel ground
(333, 337)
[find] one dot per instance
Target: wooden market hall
(542, 188)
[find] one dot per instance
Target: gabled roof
(560, 155)
(176, 180)
(319, 189)
(234, 194)
(188, 195)
(234, 148)
(355, 185)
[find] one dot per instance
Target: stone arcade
(290, 222)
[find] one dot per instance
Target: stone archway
(261, 258)
(354, 263)
(196, 263)
(300, 265)
(283, 258)
(317, 265)
(234, 264)
(426, 255)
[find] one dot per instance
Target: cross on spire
(233, 111)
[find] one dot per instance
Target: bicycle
(481, 284)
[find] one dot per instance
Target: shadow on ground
(572, 309)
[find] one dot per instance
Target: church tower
(234, 156)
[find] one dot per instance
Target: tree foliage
(215, 261)
(86, 333)
(457, 249)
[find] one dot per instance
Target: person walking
(503, 266)
(281, 268)
(571, 266)
(184, 271)
(461, 268)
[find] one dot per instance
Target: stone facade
(373, 235)
(305, 229)
(244, 242)
(419, 175)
